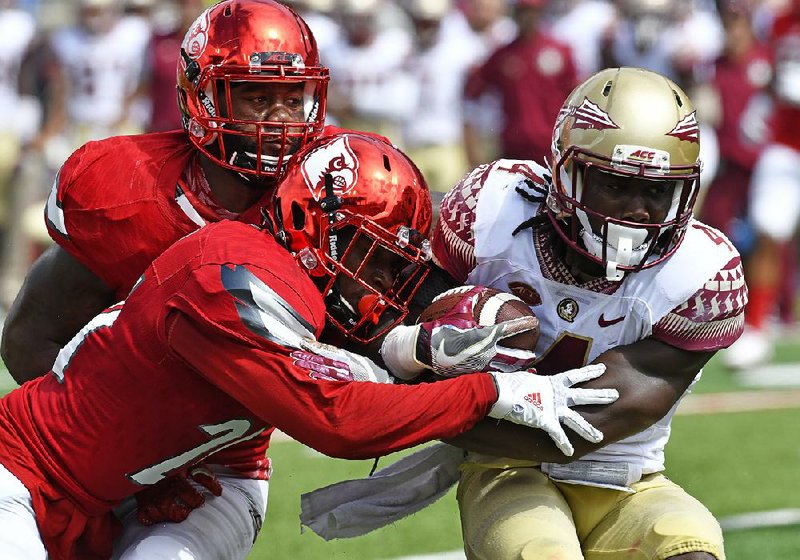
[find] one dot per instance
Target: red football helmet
(249, 42)
(352, 206)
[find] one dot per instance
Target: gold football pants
(519, 513)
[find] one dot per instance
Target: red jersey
(197, 359)
(533, 77)
(737, 82)
(118, 203)
(785, 42)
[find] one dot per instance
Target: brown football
(491, 307)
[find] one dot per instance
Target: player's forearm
(362, 420)
(504, 439)
(351, 420)
(651, 377)
(26, 358)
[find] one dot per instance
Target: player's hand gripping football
(174, 498)
(546, 401)
(329, 362)
(463, 332)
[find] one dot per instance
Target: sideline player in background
(212, 347)
(774, 209)
(604, 249)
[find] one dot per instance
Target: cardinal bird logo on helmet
(335, 158)
(197, 38)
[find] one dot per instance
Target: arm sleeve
(453, 240)
(342, 419)
(78, 220)
(713, 318)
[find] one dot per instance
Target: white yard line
(770, 375)
(756, 519)
(743, 401)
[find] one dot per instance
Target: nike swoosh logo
(603, 323)
(455, 349)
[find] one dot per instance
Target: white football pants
(224, 528)
(775, 192)
(19, 536)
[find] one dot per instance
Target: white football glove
(330, 362)
(545, 401)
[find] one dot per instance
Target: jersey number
(568, 352)
(222, 435)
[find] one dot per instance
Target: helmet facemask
(257, 149)
(343, 261)
(355, 211)
(620, 245)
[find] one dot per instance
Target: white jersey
(17, 29)
(438, 75)
(101, 70)
(693, 300)
(18, 115)
(368, 76)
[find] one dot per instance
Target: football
(489, 307)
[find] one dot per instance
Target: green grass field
(734, 462)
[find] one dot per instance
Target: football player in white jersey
(96, 65)
(604, 248)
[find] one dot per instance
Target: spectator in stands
(491, 27)
(95, 65)
(665, 36)
(583, 25)
(20, 116)
(738, 85)
(158, 83)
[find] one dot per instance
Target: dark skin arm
(650, 377)
(58, 298)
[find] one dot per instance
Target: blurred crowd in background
(454, 83)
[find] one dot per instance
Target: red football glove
(174, 498)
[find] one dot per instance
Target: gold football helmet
(633, 123)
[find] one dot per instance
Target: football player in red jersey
(214, 346)
(251, 91)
